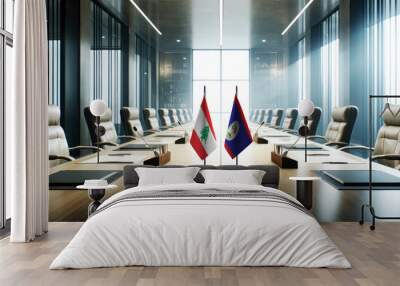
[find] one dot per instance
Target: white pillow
(166, 176)
(247, 177)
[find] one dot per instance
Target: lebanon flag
(238, 136)
(203, 136)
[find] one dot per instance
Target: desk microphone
(302, 132)
(261, 125)
(183, 128)
(255, 137)
(156, 153)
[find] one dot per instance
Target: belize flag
(238, 136)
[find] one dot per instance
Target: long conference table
(329, 203)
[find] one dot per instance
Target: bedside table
(304, 190)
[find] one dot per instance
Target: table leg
(95, 195)
(304, 193)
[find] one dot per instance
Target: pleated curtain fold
(27, 139)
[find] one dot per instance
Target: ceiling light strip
(297, 17)
(221, 21)
(147, 18)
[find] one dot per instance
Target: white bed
(183, 230)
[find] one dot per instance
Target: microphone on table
(255, 137)
(302, 131)
(156, 153)
(183, 128)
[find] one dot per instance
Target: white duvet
(200, 231)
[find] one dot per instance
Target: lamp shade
(98, 107)
(306, 107)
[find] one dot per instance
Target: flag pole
(237, 157)
(204, 94)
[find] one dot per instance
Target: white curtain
(27, 155)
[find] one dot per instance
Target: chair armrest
(336, 143)
(149, 132)
(287, 130)
(61, 157)
(108, 144)
(294, 132)
(127, 137)
(85, 147)
(355, 147)
(317, 137)
(392, 157)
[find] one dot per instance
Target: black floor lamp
(306, 109)
(370, 159)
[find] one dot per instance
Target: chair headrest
(172, 111)
(389, 118)
(163, 111)
(107, 116)
(277, 112)
(316, 113)
(54, 115)
(291, 113)
(133, 112)
(344, 113)
(149, 112)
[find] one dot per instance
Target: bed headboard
(270, 179)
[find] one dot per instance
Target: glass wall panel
(146, 71)
(302, 70)
(206, 65)
(6, 72)
(106, 60)
(175, 86)
(383, 53)
(9, 15)
(54, 51)
(330, 65)
(9, 61)
(235, 65)
(213, 92)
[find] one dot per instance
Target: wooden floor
(375, 257)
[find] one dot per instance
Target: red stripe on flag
(244, 121)
(204, 107)
(229, 150)
(197, 146)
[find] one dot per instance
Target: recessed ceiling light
(297, 17)
(147, 18)
(178, 41)
(264, 40)
(103, 37)
(184, 58)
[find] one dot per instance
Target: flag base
(283, 162)
(182, 140)
(160, 160)
(259, 140)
